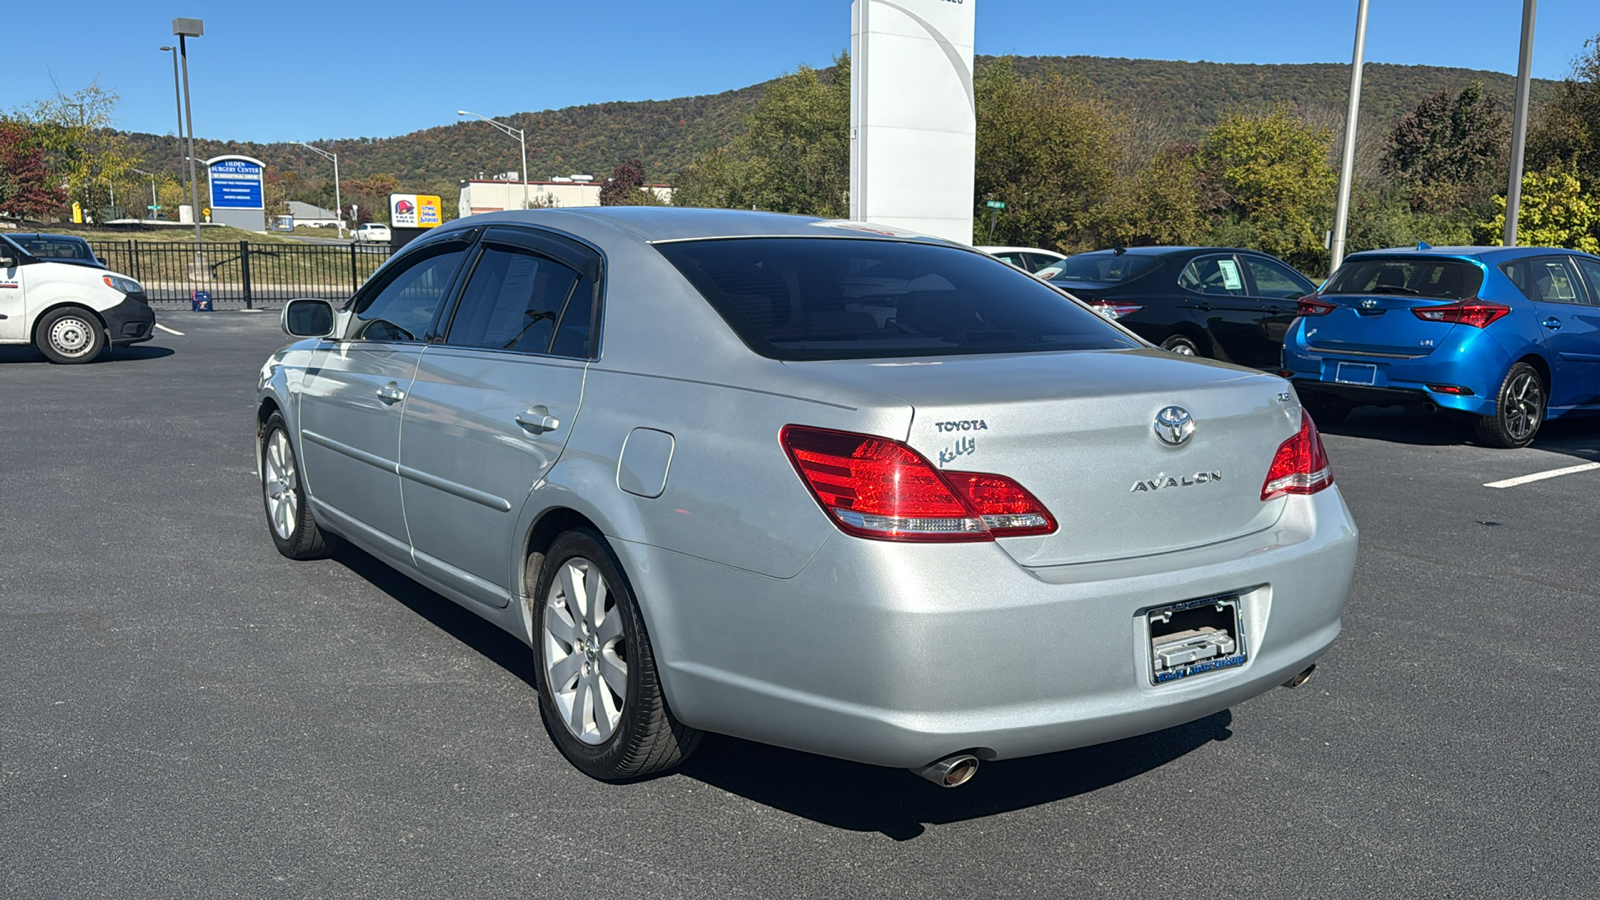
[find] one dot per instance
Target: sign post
(994, 214)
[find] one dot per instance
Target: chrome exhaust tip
(1302, 678)
(950, 772)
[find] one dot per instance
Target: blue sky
(300, 71)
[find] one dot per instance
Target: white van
(71, 311)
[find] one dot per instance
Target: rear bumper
(1476, 364)
(898, 655)
(130, 322)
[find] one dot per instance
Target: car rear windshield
(1106, 267)
(1439, 279)
(845, 298)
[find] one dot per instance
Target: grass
(172, 234)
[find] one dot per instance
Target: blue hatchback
(1508, 335)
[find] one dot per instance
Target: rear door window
(516, 300)
(1216, 275)
(1544, 280)
(1591, 274)
(848, 298)
(1275, 280)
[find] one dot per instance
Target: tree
(1447, 153)
(1159, 204)
(1568, 126)
(1272, 185)
(76, 133)
(1048, 148)
(27, 188)
(794, 156)
(1554, 212)
(626, 187)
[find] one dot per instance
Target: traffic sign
(996, 204)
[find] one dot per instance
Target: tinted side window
(1213, 275)
(1276, 281)
(513, 302)
(402, 308)
(1591, 274)
(1546, 280)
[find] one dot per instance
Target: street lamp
(151, 214)
(177, 100)
(338, 203)
(185, 29)
(521, 139)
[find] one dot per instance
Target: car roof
(657, 224)
(1484, 254)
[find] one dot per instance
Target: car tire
(289, 521)
(70, 335)
(1182, 345)
(1519, 410)
(1327, 410)
(589, 641)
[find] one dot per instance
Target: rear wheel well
(1540, 366)
(551, 525)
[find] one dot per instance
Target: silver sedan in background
(821, 484)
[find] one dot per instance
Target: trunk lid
(1376, 324)
(1078, 431)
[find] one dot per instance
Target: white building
(310, 214)
(482, 196)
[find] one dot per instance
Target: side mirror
(308, 317)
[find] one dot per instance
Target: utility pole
(337, 200)
(177, 100)
(1519, 128)
(522, 138)
(1341, 215)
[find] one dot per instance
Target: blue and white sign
(235, 182)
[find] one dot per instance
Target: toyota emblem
(1174, 425)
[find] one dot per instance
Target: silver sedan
(821, 484)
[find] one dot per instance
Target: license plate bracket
(1355, 373)
(1195, 637)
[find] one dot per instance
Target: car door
(351, 399)
(1570, 324)
(1217, 293)
(1278, 289)
(493, 404)
(13, 290)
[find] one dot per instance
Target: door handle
(391, 394)
(537, 420)
(1552, 323)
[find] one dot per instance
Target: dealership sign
(235, 182)
(415, 211)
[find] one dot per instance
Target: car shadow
(114, 355)
(497, 646)
(1575, 436)
(900, 805)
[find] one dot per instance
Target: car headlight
(125, 285)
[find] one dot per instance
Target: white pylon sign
(913, 115)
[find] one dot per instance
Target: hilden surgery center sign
(235, 182)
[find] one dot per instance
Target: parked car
(67, 307)
(58, 248)
(1228, 304)
(1028, 259)
(1509, 336)
(834, 487)
(373, 233)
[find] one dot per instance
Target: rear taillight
(1310, 306)
(878, 488)
(1477, 313)
(1114, 310)
(1301, 466)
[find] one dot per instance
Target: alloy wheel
(586, 669)
(1523, 406)
(280, 482)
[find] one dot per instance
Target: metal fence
(242, 274)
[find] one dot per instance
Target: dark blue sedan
(1508, 335)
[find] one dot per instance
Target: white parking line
(1540, 476)
(169, 330)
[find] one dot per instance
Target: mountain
(1180, 100)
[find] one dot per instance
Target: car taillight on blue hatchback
(1477, 313)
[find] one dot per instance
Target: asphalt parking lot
(187, 714)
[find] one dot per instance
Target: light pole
(151, 214)
(338, 203)
(1341, 215)
(1519, 128)
(521, 139)
(185, 29)
(177, 101)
